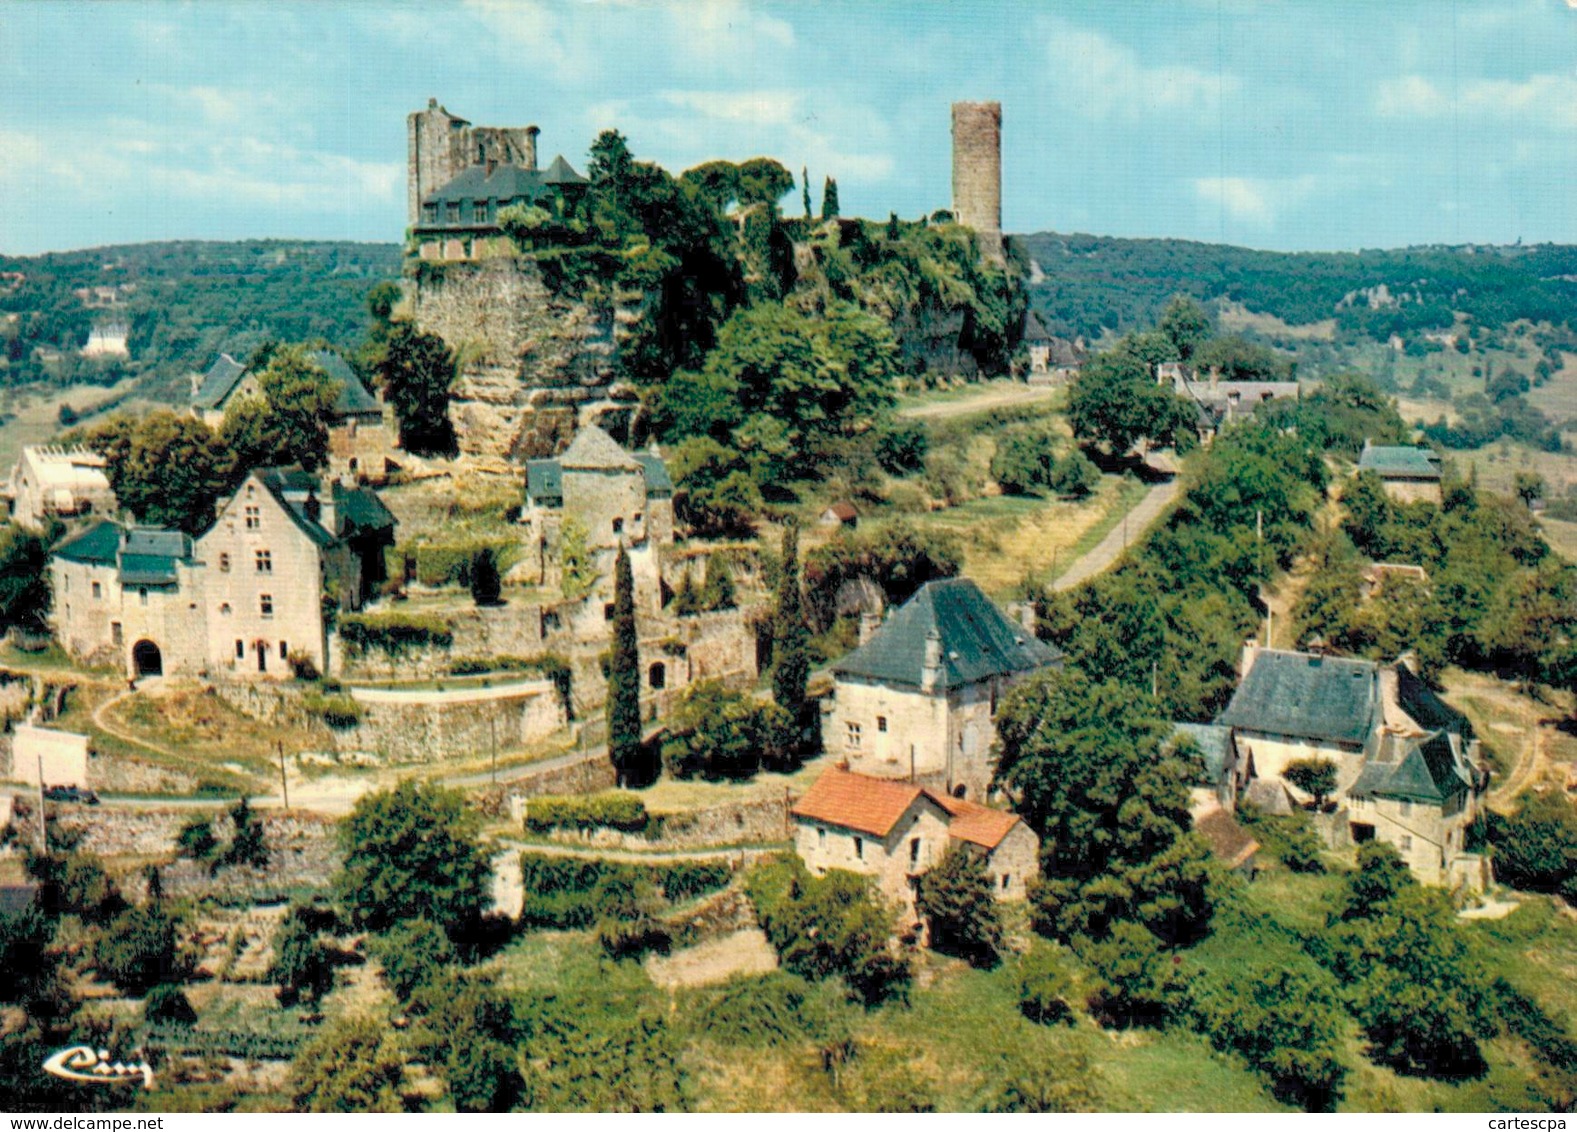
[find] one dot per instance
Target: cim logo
(87, 1066)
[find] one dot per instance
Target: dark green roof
(353, 396)
(977, 640)
(97, 545)
(1306, 697)
(149, 555)
(361, 511)
(147, 570)
(1421, 770)
(658, 482)
(292, 487)
(221, 378)
(545, 482)
(1412, 463)
(503, 186)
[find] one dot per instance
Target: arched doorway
(145, 659)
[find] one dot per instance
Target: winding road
(1128, 531)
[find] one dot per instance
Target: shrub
(1312, 776)
(1136, 983)
(341, 712)
(775, 1009)
(393, 633)
(247, 846)
(412, 954)
(453, 563)
(631, 939)
(356, 1066)
(567, 892)
(955, 898)
(141, 948)
(1536, 848)
(613, 810)
(196, 839)
(1074, 475)
(302, 666)
(716, 733)
(1045, 986)
(827, 926)
(302, 966)
(167, 1004)
(1288, 837)
(486, 584)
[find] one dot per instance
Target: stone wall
(977, 172)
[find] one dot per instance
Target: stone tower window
(98, 591)
(881, 723)
(266, 604)
(618, 526)
(224, 563)
(116, 634)
(657, 675)
(265, 562)
(859, 848)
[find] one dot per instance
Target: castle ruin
(977, 173)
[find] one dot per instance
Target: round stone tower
(977, 172)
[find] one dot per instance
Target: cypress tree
(624, 675)
(791, 662)
(804, 181)
(829, 199)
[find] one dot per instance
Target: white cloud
(726, 31)
(1254, 201)
(1109, 81)
(1547, 99)
(533, 34)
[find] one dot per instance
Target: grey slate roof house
(1405, 759)
(916, 700)
(1409, 473)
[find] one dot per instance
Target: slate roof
(1305, 696)
(658, 481)
(97, 545)
(978, 640)
(559, 173)
(1227, 839)
(857, 801)
(545, 481)
(1414, 770)
(1399, 462)
(361, 511)
(594, 449)
(1215, 744)
(504, 185)
(149, 555)
(16, 899)
(1425, 708)
(223, 376)
(1034, 329)
(291, 488)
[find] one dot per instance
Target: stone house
(614, 497)
(1406, 762)
(1410, 474)
(51, 482)
(841, 515)
(917, 699)
(1222, 774)
(894, 831)
(241, 598)
(363, 438)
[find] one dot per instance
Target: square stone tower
(977, 173)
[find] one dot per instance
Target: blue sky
(1310, 124)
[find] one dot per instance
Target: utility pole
(43, 823)
(1155, 679)
(284, 785)
(492, 726)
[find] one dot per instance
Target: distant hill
(1087, 284)
(179, 303)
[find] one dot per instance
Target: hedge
(619, 811)
(548, 665)
(449, 563)
(394, 633)
(579, 892)
(340, 712)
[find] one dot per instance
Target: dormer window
(479, 211)
(452, 212)
(430, 213)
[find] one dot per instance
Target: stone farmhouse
(916, 699)
(363, 438)
(243, 598)
(51, 482)
(1219, 402)
(1406, 762)
(1410, 474)
(894, 831)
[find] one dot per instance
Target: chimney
(1250, 653)
(1215, 377)
(328, 513)
(931, 670)
(870, 621)
(531, 148)
(1410, 659)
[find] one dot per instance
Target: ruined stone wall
(977, 172)
(528, 359)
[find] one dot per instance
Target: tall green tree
(418, 370)
(1187, 324)
(1115, 401)
(1086, 763)
(624, 675)
(955, 898)
(829, 199)
(166, 469)
(300, 396)
(790, 656)
(24, 580)
(412, 852)
(302, 966)
(355, 1066)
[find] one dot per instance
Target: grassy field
(33, 413)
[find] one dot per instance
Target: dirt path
(993, 398)
(1524, 773)
(1128, 531)
(108, 728)
(607, 853)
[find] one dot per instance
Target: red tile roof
(857, 801)
(975, 823)
(874, 805)
(844, 511)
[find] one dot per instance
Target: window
(1407, 809)
(254, 517)
(635, 518)
(1407, 842)
(821, 837)
(853, 737)
(607, 611)
(142, 594)
(859, 848)
(240, 650)
(266, 603)
(224, 609)
(1005, 879)
(479, 211)
(265, 562)
(115, 632)
(657, 676)
(618, 526)
(430, 213)
(452, 212)
(914, 850)
(881, 724)
(283, 650)
(98, 591)
(224, 563)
